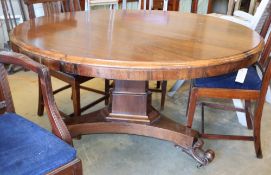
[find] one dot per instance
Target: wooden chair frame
(58, 126)
(254, 122)
(74, 82)
(10, 23)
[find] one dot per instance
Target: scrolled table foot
(196, 152)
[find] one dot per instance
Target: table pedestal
(130, 112)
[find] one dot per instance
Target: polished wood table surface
(132, 47)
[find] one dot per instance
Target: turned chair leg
(40, 101)
(191, 108)
(106, 91)
(163, 94)
(76, 98)
(248, 116)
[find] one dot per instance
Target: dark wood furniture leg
(40, 101)
(106, 90)
(248, 114)
(163, 94)
(210, 6)
(131, 112)
(76, 98)
(194, 6)
(158, 84)
(175, 5)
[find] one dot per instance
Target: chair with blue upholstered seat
(252, 81)
(224, 86)
(25, 147)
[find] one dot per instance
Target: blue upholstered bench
(26, 148)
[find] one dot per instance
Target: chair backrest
(264, 59)
(6, 102)
(149, 4)
(265, 64)
(53, 6)
(260, 15)
(13, 13)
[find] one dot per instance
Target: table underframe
(130, 112)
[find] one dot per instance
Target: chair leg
(257, 135)
(257, 145)
(202, 118)
(106, 91)
(257, 139)
(248, 117)
(163, 94)
(76, 98)
(194, 6)
(158, 84)
(188, 100)
(40, 101)
(191, 107)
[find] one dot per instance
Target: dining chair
(74, 81)
(113, 4)
(11, 19)
(231, 5)
(253, 89)
(146, 5)
(25, 147)
(255, 22)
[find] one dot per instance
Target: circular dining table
(132, 48)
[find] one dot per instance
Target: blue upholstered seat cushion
(252, 81)
(26, 148)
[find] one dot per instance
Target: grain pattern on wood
(198, 46)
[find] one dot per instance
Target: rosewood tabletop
(132, 47)
(138, 45)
